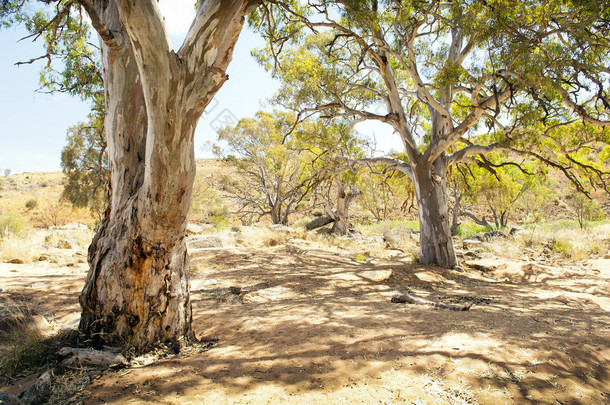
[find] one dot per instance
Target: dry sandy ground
(313, 326)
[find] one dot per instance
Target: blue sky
(33, 125)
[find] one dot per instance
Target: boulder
(72, 227)
(66, 244)
(193, 229)
(15, 261)
(70, 322)
(279, 228)
(209, 241)
(515, 230)
(493, 234)
(400, 236)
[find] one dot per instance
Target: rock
(67, 244)
(9, 399)
(15, 261)
(486, 266)
(209, 241)
(43, 258)
(202, 284)
(71, 322)
(400, 236)
(493, 234)
(515, 230)
(472, 255)
(39, 392)
(192, 229)
(72, 227)
(282, 229)
(375, 275)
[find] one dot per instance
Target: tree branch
(578, 109)
(112, 39)
(144, 25)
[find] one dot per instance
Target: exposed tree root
(406, 297)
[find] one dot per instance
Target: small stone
(15, 261)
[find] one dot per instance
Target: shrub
(562, 248)
(31, 203)
(470, 229)
(12, 224)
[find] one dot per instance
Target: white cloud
(178, 15)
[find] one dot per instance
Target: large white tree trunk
(137, 290)
(436, 245)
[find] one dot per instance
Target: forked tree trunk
(436, 245)
(137, 293)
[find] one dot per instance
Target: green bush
(470, 229)
(218, 215)
(31, 203)
(12, 224)
(562, 248)
(379, 228)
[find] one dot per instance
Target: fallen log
(319, 222)
(75, 357)
(408, 298)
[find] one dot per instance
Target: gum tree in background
(279, 166)
(441, 74)
(136, 293)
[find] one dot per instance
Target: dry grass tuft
(28, 342)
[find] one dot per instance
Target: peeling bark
(436, 245)
(137, 292)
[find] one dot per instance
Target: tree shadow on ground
(306, 320)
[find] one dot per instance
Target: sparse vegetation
(31, 203)
(28, 342)
(284, 252)
(13, 223)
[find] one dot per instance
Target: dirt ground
(297, 324)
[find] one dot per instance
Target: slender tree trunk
(342, 225)
(436, 245)
(455, 224)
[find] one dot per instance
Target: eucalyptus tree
(279, 165)
(136, 292)
(441, 73)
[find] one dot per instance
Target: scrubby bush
(12, 224)
(585, 210)
(31, 203)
